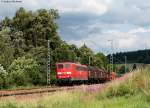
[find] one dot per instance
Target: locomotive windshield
(67, 66)
(60, 66)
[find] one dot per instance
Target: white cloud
(122, 41)
(96, 7)
(127, 43)
(139, 30)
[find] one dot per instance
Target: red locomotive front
(64, 70)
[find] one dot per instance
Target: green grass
(77, 100)
(134, 92)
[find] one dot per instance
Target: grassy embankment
(134, 92)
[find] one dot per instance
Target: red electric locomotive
(69, 71)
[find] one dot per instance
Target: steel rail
(32, 91)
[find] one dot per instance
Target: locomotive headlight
(68, 72)
(59, 73)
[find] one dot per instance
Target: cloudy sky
(94, 22)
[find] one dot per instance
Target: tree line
(140, 56)
(23, 48)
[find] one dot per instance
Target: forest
(140, 56)
(24, 50)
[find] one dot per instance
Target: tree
(6, 48)
(39, 54)
(18, 43)
(37, 27)
(140, 56)
(100, 60)
(24, 71)
(85, 53)
(29, 32)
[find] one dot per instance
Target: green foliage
(37, 27)
(18, 43)
(40, 55)
(28, 32)
(23, 71)
(85, 53)
(136, 83)
(6, 48)
(121, 90)
(100, 61)
(140, 56)
(3, 77)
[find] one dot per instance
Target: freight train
(70, 72)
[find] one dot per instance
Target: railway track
(6, 93)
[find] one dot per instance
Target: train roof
(71, 63)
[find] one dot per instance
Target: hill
(140, 56)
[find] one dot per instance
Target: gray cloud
(77, 26)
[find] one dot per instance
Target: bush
(24, 71)
(137, 82)
(121, 90)
(3, 77)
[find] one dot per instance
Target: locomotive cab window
(67, 66)
(60, 66)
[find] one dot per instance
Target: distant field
(133, 92)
